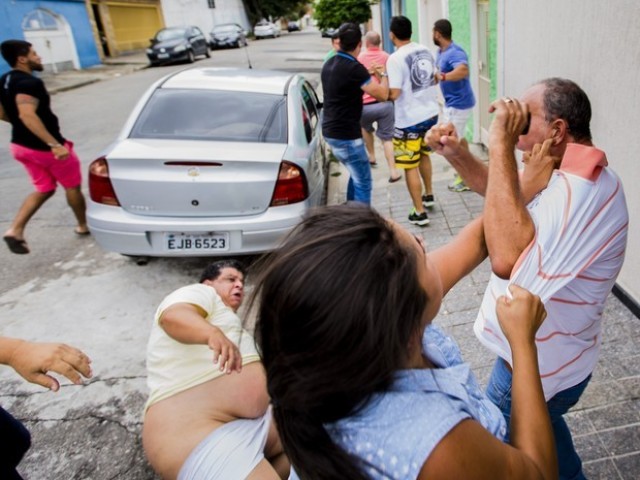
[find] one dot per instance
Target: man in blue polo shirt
(343, 81)
(453, 67)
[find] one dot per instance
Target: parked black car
(176, 44)
(328, 32)
(293, 26)
(228, 35)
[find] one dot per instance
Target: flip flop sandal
(16, 246)
(82, 234)
(394, 180)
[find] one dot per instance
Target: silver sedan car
(211, 162)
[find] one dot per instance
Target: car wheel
(191, 57)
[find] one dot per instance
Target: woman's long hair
(339, 305)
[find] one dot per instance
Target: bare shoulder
(469, 451)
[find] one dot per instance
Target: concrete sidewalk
(110, 68)
(606, 422)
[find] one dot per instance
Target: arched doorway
(51, 37)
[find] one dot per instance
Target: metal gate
(134, 25)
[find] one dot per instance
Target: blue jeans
(353, 155)
(499, 392)
(15, 440)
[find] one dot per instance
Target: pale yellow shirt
(173, 367)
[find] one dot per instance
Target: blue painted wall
(74, 12)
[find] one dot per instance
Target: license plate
(196, 242)
(163, 55)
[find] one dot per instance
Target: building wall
(597, 47)
(73, 11)
(411, 12)
(428, 12)
(197, 12)
(459, 14)
(460, 18)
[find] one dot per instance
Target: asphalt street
(69, 290)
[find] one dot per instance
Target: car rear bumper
(173, 57)
(122, 232)
(224, 43)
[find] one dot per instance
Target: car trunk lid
(194, 178)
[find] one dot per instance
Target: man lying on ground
(208, 411)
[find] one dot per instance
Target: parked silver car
(264, 29)
(211, 162)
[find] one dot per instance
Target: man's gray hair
(564, 99)
(372, 38)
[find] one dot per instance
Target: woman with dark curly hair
(363, 385)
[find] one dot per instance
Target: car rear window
(213, 115)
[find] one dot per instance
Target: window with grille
(212, 3)
(39, 19)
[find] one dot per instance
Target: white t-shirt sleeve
(394, 69)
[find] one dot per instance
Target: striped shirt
(572, 263)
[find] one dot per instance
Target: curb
(106, 73)
(65, 88)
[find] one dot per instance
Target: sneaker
(428, 201)
(420, 219)
(458, 185)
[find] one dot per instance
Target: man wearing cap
(343, 81)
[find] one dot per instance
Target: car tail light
(291, 186)
(100, 187)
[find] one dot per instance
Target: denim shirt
(398, 429)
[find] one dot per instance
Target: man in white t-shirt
(566, 244)
(413, 88)
(208, 410)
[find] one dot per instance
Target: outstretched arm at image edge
(33, 361)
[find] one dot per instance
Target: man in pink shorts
(36, 141)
